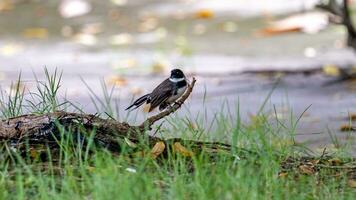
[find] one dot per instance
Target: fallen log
(109, 133)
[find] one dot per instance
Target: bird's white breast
(180, 92)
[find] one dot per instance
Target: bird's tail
(139, 101)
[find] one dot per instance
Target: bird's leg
(178, 103)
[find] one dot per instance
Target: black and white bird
(164, 94)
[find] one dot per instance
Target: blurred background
(239, 50)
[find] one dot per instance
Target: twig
(151, 120)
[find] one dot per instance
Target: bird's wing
(161, 93)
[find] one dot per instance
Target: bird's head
(177, 74)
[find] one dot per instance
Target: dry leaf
(306, 169)
(35, 33)
(351, 183)
(6, 5)
(117, 81)
(33, 153)
(270, 31)
(204, 14)
(335, 161)
(347, 127)
(283, 174)
(331, 70)
(352, 116)
(157, 149)
(179, 148)
(314, 162)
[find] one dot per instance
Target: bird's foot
(178, 103)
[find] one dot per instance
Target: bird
(164, 94)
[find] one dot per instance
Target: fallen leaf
(6, 5)
(347, 127)
(335, 161)
(204, 14)
(33, 153)
(270, 31)
(179, 148)
(35, 33)
(306, 169)
(351, 183)
(352, 116)
(157, 149)
(117, 81)
(331, 70)
(283, 174)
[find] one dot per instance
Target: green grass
(80, 171)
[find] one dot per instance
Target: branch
(151, 120)
(347, 20)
